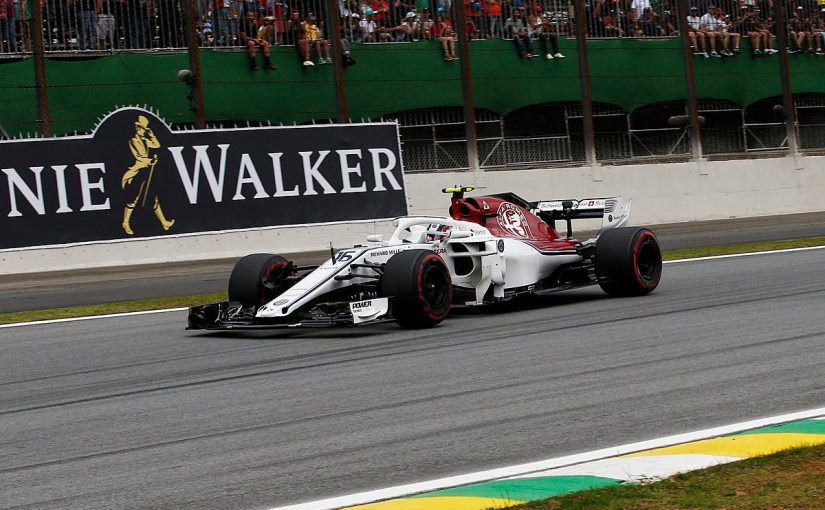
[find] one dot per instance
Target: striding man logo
(137, 179)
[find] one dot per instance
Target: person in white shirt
(713, 30)
(639, 7)
(695, 35)
(367, 28)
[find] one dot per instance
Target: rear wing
(613, 211)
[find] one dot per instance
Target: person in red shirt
(472, 15)
(492, 9)
(442, 29)
(380, 8)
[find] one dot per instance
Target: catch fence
(546, 132)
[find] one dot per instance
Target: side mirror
(375, 238)
(460, 234)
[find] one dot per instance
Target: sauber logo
(512, 220)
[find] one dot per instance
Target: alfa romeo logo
(512, 220)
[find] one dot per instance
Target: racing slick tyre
(628, 261)
(256, 279)
(419, 283)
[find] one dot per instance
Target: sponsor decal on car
(512, 220)
(369, 309)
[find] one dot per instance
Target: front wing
(233, 315)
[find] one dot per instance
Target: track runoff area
(635, 462)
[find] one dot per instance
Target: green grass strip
(789, 480)
(105, 309)
(732, 249)
(185, 301)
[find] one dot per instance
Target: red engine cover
(505, 219)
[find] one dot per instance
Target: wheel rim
(269, 280)
(647, 259)
(435, 289)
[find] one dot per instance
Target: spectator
(8, 27)
(252, 6)
(610, 26)
(279, 13)
(443, 30)
(648, 24)
(472, 15)
(669, 24)
(381, 11)
(516, 27)
(86, 23)
(315, 39)
(295, 30)
(763, 34)
(253, 37)
(747, 26)
(727, 27)
(422, 28)
(444, 6)
(711, 27)
(492, 9)
(346, 47)
(541, 26)
(205, 36)
(106, 24)
(224, 24)
(403, 32)
(400, 9)
(637, 8)
(797, 32)
(817, 31)
(367, 28)
(696, 36)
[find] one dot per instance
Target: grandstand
(528, 110)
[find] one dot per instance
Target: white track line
(749, 254)
(90, 317)
(127, 314)
(522, 469)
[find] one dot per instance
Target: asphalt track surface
(109, 285)
(135, 412)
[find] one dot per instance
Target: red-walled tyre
(628, 261)
(257, 279)
(421, 288)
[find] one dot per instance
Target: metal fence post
(584, 83)
(195, 83)
(39, 60)
(467, 91)
(337, 61)
(691, 101)
(785, 77)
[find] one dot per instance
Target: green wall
(388, 78)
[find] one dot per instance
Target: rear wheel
(258, 278)
(628, 261)
(420, 285)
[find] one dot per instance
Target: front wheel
(258, 278)
(420, 285)
(628, 261)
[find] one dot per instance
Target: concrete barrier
(662, 193)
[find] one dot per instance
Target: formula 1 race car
(490, 249)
